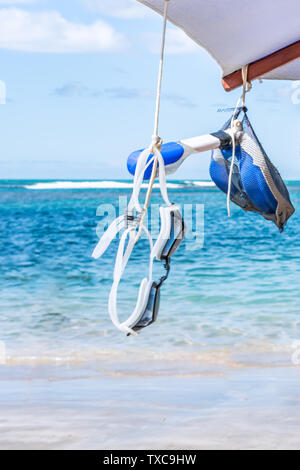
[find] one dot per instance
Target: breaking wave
(60, 185)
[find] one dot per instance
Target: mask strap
(110, 234)
(122, 259)
(118, 224)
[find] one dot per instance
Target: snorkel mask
(171, 235)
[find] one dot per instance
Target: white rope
(247, 86)
(156, 140)
(135, 225)
(233, 130)
(232, 133)
(160, 73)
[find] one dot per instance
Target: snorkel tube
(175, 153)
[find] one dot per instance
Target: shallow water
(235, 297)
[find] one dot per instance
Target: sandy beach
(88, 407)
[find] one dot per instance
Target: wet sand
(68, 407)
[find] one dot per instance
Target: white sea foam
(80, 185)
(110, 185)
(130, 361)
(92, 185)
(201, 184)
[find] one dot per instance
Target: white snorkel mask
(171, 235)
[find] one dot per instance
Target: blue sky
(81, 77)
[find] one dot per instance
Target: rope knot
(156, 143)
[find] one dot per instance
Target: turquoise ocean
(234, 296)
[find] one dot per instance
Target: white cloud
(177, 42)
(119, 8)
(48, 31)
(78, 89)
(135, 93)
(71, 89)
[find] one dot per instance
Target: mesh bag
(219, 172)
(256, 185)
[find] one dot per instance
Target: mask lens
(176, 235)
(150, 314)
